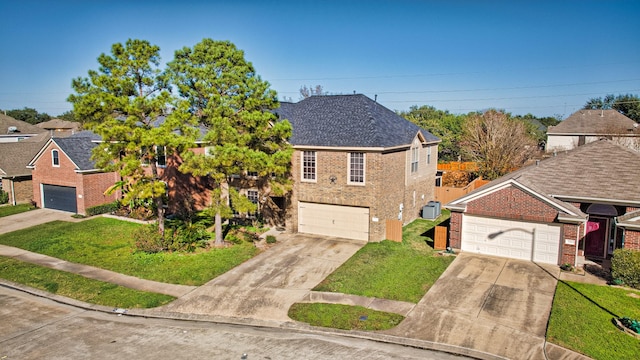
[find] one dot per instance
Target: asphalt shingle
(593, 122)
(348, 121)
(79, 150)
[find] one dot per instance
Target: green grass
(17, 209)
(390, 270)
(343, 316)
(78, 287)
(108, 244)
(581, 320)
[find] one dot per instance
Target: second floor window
(55, 158)
(415, 157)
(356, 168)
(309, 165)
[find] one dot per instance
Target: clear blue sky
(541, 57)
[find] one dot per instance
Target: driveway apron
(32, 218)
(496, 305)
(266, 286)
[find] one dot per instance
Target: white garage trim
(333, 220)
(538, 242)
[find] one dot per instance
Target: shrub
(625, 266)
(232, 238)
(103, 209)
(187, 236)
(4, 197)
(271, 239)
(149, 240)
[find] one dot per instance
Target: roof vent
(12, 129)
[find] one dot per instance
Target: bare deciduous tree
(305, 91)
(497, 143)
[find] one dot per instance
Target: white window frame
(415, 158)
(313, 175)
(164, 155)
(428, 154)
(55, 158)
(350, 169)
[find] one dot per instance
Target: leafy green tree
(235, 106)
(30, 115)
(442, 124)
(627, 104)
(126, 103)
(497, 142)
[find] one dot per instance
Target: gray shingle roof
(348, 121)
(593, 122)
(601, 171)
(78, 149)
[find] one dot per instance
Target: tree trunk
(218, 229)
(158, 200)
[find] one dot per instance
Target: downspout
(575, 258)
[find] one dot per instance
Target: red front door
(596, 240)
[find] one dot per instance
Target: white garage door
(513, 239)
(333, 220)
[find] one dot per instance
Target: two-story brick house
(356, 165)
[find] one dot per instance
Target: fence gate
(440, 238)
(394, 230)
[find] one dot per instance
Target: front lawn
(107, 243)
(390, 270)
(78, 287)
(581, 320)
(17, 209)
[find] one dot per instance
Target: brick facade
(514, 204)
(455, 230)
(570, 232)
(389, 183)
(21, 187)
(632, 239)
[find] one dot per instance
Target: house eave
(584, 199)
(571, 219)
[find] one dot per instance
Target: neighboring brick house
(356, 165)
(15, 177)
(585, 126)
(577, 205)
(65, 177)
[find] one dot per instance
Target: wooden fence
(446, 194)
(394, 230)
(457, 165)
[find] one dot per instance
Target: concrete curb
(292, 325)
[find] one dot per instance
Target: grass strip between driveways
(108, 244)
(391, 270)
(344, 317)
(78, 287)
(17, 209)
(581, 320)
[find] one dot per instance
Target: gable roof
(77, 149)
(593, 122)
(59, 124)
(22, 127)
(16, 156)
(348, 121)
(601, 171)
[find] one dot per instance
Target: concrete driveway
(496, 305)
(265, 286)
(32, 218)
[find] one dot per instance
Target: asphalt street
(38, 328)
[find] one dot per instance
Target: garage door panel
(333, 220)
(511, 239)
(59, 197)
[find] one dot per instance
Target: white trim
(364, 169)
(54, 158)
